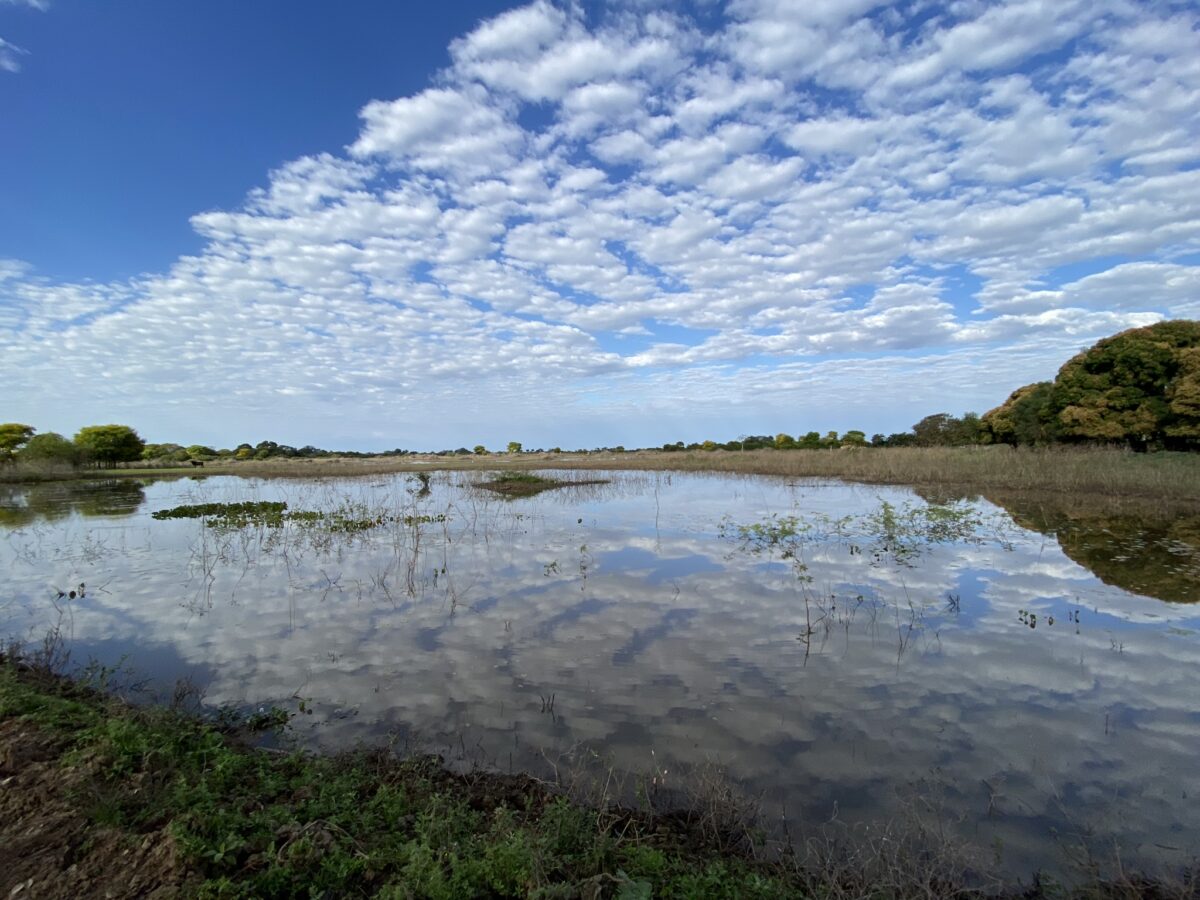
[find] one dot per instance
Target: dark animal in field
(198, 462)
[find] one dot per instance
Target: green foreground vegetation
(105, 799)
(242, 822)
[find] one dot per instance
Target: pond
(1020, 671)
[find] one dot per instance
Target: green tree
(830, 441)
(13, 436)
(50, 447)
(514, 446)
(108, 445)
(810, 441)
(784, 441)
(1025, 418)
(480, 450)
(1183, 398)
(854, 439)
(934, 430)
(199, 451)
(1140, 387)
(170, 452)
(969, 430)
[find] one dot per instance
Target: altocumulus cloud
(638, 224)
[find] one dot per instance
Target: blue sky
(387, 225)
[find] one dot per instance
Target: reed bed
(1068, 470)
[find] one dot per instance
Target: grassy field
(153, 802)
(1096, 471)
(103, 799)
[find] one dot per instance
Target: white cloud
(638, 209)
(439, 130)
(10, 56)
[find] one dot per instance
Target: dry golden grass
(1093, 471)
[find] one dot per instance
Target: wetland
(1017, 669)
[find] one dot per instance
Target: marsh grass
(526, 484)
(348, 518)
(1094, 470)
(889, 533)
(1174, 476)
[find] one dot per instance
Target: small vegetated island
(526, 484)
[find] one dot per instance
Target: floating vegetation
(526, 484)
(229, 515)
(274, 514)
(896, 533)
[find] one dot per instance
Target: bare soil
(48, 847)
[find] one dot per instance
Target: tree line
(1139, 389)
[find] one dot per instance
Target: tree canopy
(49, 447)
(1140, 388)
(1025, 417)
(108, 445)
(13, 436)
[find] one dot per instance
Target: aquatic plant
(526, 484)
(346, 519)
(890, 532)
(228, 515)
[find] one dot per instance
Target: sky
(377, 225)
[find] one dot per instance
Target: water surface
(1030, 678)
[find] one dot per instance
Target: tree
(1024, 418)
(970, 430)
(1140, 387)
(480, 450)
(13, 436)
(50, 447)
(108, 445)
(199, 451)
(934, 430)
(784, 441)
(810, 441)
(514, 446)
(854, 439)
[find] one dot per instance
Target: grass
(1092, 470)
(526, 484)
(898, 534)
(190, 807)
(347, 519)
(248, 823)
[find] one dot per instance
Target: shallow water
(989, 679)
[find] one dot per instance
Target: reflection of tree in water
(1139, 547)
(28, 504)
